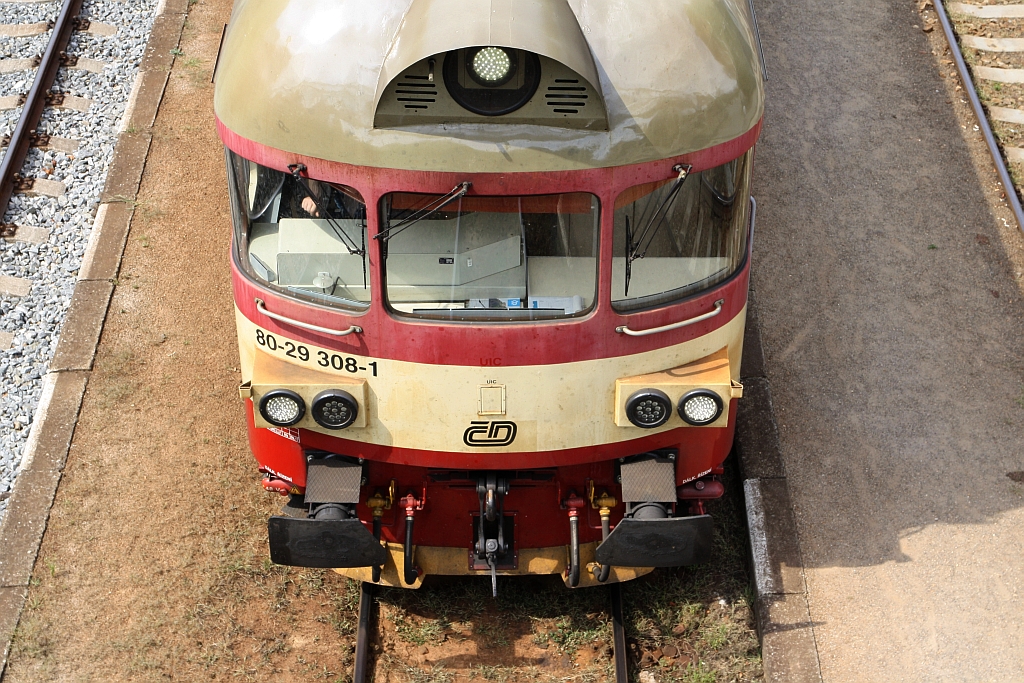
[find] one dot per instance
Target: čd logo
(490, 434)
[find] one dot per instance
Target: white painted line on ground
(129, 108)
(994, 44)
(22, 30)
(94, 239)
(1014, 154)
(46, 188)
(14, 286)
(988, 11)
(76, 103)
(758, 538)
(91, 65)
(1002, 75)
(6, 339)
(27, 233)
(1006, 115)
(8, 66)
(99, 29)
(28, 454)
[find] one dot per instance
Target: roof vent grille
(566, 96)
(416, 95)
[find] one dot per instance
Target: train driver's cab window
(677, 237)
(465, 257)
(304, 237)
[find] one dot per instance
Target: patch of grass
(570, 635)
(494, 635)
(418, 631)
(499, 674)
(414, 674)
(699, 673)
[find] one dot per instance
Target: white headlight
(700, 407)
(282, 407)
(491, 64)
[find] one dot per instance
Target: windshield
(679, 236)
(303, 237)
(460, 257)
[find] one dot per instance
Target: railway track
(66, 73)
(362, 670)
(987, 44)
(26, 133)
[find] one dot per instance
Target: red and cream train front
(490, 283)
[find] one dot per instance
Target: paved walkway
(891, 316)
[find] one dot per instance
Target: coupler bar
(325, 543)
(671, 542)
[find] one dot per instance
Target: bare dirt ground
(155, 565)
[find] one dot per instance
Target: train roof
(313, 77)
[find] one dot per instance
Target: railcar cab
(522, 260)
(498, 307)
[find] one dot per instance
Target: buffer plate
(673, 542)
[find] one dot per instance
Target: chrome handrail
(622, 329)
(262, 308)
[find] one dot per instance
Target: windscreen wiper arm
(346, 239)
(430, 209)
(638, 249)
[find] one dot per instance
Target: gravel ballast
(52, 267)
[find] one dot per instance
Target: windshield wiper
(430, 209)
(344, 237)
(638, 249)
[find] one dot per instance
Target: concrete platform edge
(46, 450)
(788, 647)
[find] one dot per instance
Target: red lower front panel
(540, 482)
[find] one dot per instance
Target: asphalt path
(888, 290)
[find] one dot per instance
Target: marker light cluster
(650, 408)
(491, 65)
(334, 409)
(282, 407)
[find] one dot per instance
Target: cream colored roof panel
(304, 76)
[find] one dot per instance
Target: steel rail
(35, 101)
(619, 652)
(1009, 188)
(367, 602)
